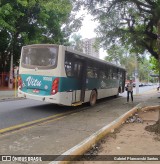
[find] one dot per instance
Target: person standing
(130, 90)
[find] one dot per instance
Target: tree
(119, 55)
(25, 22)
(76, 42)
(154, 65)
(129, 23)
(116, 54)
(145, 70)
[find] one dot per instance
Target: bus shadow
(48, 108)
(54, 108)
(106, 99)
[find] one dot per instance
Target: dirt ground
(132, 138)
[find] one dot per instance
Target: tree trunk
(158, 44)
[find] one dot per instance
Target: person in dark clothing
(130, 90)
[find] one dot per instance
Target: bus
(60, 75)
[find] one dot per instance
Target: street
(59, 135)
(63, 67)
(21, 111)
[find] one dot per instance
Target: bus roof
(78, 53)
(92, 58)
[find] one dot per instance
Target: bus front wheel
(93, 98)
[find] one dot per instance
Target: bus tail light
(19, 82)
(55, 86)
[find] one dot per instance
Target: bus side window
(69, 65)
(73, 67)
(110, 74)
(90, 73)
(114, 73)
(68, 68)
(95, 73)
(77, 69)
(102, 75)
(117, 73)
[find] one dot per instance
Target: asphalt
(58, 136)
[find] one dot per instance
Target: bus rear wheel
(93, 98)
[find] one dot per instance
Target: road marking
(47, 119)
(39, 121)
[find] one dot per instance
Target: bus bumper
(58, 98)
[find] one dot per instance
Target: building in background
(90, 47)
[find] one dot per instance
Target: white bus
(59, 75)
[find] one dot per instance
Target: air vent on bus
(55, 86)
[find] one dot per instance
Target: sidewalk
(6, 93)
(58, 136)
(138, 136)
(10, 94)
(126, 143)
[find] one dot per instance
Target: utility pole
(11, 74)
(136, 75)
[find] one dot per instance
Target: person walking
(129, 89)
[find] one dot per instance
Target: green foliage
(76, 42)
(25, 22)
(128, 23)
(119, 55)
(145, 70)
(154, 65)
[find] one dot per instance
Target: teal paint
(35, 84)
(69, 83)
(42, 85)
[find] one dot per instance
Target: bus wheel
(117, 95)
(93, 98)
(119, 91)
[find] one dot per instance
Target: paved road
(21, 111)
(56, 137)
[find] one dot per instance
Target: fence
(4, 79)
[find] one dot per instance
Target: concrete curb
(87, 144)
(157, 107)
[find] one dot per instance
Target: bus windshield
(41, 57)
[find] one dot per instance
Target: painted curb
(157, 107)
(87, 144)
(39, 121)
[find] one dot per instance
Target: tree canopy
(128, 23)
(76, 42)
(154, 65)
(25, 22)
(128, 60)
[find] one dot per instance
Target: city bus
(60, 75)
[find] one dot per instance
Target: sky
(87, 29)
(88, 26)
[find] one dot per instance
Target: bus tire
(117, 95)
(93, 98)
(119, 91)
